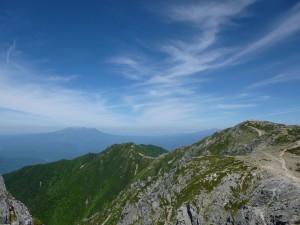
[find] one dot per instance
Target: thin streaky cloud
(9, 52)
(63, 79)
(135, 68)
(194, 71)
(292, 110)
(235, 106)
(281, 78)
(287, 27)
(187, 58)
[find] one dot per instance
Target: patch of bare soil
(275, 160)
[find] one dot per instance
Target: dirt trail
(260, 132)
(273, 160)
(282, 160)
(282, 169)
(273, 166)
(148, 157)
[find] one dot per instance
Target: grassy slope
(152, 150)
(65, 191)
(231, 140)
(102, 180)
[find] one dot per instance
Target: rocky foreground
(248, 174)
(244, 175)
(12, 211)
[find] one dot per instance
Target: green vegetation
(230, 141)
(101, 185)
(153, 151)
(298, 167)
(209, 175)
(295, 150)
(65, 191)
(265, 126)
(240, 197)
(292, 134)
(37, 222)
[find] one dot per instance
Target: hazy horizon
(113, 132)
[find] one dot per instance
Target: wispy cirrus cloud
(9, 51)
(129, 66)
(57, 78)
(176, 80)
(284, 28)
(280, 112)
(164, 86)
(281, 78)
(34, 99)
(186, 58)
(235, 106)
(208, 19)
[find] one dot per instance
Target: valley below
(246, 174)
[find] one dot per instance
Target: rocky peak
(12, 211)
(2, 185)
(247, 174)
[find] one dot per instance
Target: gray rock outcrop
(243, 175)
(12, 211)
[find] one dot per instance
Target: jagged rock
(243, 196)
(182, 216)
(2, 185)
(12, 211)
(243, 175)
(276, 200)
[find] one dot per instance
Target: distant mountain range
(246, 174)
(17, 151)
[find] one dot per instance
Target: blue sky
(148, 67)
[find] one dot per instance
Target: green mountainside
(63, 191)
(247, 174)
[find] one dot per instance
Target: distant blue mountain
(17, 151)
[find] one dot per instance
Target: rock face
(245, 175)
(242, 175)
(12, 211)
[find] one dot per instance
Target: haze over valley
(17, 151)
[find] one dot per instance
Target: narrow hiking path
(282, 160)
(145, 156)
(260, 132)
(277, 165)
(274, 161)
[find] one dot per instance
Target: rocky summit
(12, 211)
(247, 174)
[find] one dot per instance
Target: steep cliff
(12, 211)
(248, 174)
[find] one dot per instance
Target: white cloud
(10, 50)
(210, 18)
(235, 106)
(170, 92)
(275, 80)
(286, 27)
(26, 95)
(163, 91)
(186, 58)
(57, 78)
(208, 11)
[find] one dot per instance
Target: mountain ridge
(76, 181)
(246, 174)
(73, 142)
